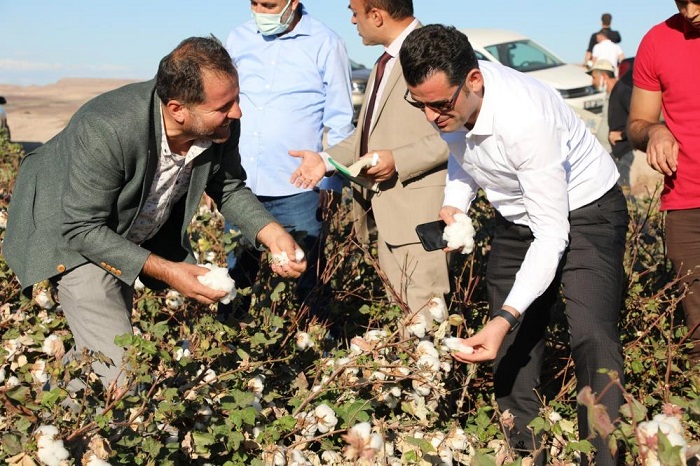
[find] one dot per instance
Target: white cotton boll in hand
(218, 279)
(460, 234)
(456, 345)
(283, 259)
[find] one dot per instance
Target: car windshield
(524, 55)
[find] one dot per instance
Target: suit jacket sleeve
(94, 183)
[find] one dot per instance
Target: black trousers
(591, 272)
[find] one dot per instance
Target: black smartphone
(430, 235)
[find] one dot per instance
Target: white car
(523, 54)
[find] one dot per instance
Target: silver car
(3, 117)
(360, 75)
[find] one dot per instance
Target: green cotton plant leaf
(12, 444)
(634, 411)
(483, 460)
(423, 444)
(354, 412)
(159, 329)
(669, 455)
(277, 292)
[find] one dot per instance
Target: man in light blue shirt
(295, 81)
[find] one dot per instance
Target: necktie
(381, 65)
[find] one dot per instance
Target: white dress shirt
(536, 161)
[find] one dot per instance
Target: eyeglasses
(442, 106)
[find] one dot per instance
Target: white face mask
(602, 84)
(270, 24)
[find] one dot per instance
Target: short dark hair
(605, 33)
(437, 48)
(180, 72)
(397, 9)
(606, 19)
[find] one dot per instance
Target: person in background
(412, 161)
(665, 80)
(110, 197)
(606, 49)
(561, 219)
(619, 97)
(295, 82)
(606, 21)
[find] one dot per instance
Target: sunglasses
(442, 106)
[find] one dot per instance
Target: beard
(201, 131)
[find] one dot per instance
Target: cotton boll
(417, 325)
(210, 257)
(181, 353)
(429, 362)
(53, 346)
(296, 458)
(257, 385)
(456, 345)
(174, 300)
(12, 382)
(90, 459)
(304, 341)
(331, 457)
(282, 258)
(460, 234)
(3, 219)
(209, 375)
(218, 279)
(50, 448)
(138, 285)
(437, 309)
(38, 371)
(326, 418)
(43, 299)
(427, 348)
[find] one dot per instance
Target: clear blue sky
(45, 40)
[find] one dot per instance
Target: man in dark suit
(111, 196)
(411, 168)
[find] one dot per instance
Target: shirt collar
(394, 48)
(484, 122)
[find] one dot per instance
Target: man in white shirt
(561, 220)
(606, 49)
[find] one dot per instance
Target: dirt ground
(36, 113)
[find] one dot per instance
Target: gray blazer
(76, 196)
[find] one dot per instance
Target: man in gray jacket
(111, 196)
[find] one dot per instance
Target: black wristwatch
(512, 320)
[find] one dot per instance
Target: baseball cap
(602, 65)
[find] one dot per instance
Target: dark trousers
(683, 244)
(591, 272)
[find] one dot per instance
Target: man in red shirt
(665, 79)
